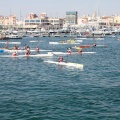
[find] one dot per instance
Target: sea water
(33, 90)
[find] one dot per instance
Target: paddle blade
(1, 51)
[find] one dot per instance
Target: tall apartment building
(72, 18)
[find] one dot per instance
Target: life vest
(70, 51)
(27, 53)
(60, 59)
(94, 44)
(37, 49)
(80, 50)
(14, 54)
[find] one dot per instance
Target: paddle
(59, 57)
(1, 51)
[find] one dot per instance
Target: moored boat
(14, 37)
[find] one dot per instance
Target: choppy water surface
(33, 90)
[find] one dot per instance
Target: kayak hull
(18, 56)
(76, 65)
(56, 43)
(66, 53)
(8, 50)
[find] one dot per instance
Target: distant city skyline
(55, 8)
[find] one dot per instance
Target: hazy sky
(58, 8)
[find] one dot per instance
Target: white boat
(100, 46)
(35, 41)
(79, 40)
(10, 42)
(7, 50)
(14, 37)
(19, 56)
(95, 38)
(56, 43)
(76, 65)
(72, 41)
(89, 46)
(66, 53)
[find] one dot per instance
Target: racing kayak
(19, 56)
(89, 46)
(71, 41)
(56, 43)
(100, 46)
(82, 46)
(7, 50)
(76, 65)
(35, 41)
(11, 42)
(85, 46)
(66, 53)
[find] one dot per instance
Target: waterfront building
(43, 15)
(1, 19)
(42, 22)
(57, 23)
(31, 16)
(33, 21)
(72, 17)
(117, 21)
(8, 22)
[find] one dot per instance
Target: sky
(58, 8)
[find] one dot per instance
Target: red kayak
(85, 46)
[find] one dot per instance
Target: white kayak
(79, 40)
(18, 56)
(66, 53)
(72, 41)
(56, 43)
(76, 65)
(7, 50)
(100, 46)
(35, 41)
(10, 42)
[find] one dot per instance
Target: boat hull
(19, 56)
(56, 43)
(66, 53)
(20, 50)
(76, 65)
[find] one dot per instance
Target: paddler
(74, 40)
(69, 50)
(60, 59)
(27, 51)
(79, 50)
(37, 49)
(94, 45)
(14, 54)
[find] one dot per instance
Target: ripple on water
(31, 89)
